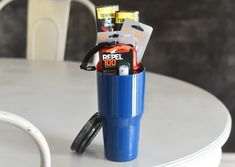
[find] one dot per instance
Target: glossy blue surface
(121, 105)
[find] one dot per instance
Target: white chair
(47, 27)
(31, 130)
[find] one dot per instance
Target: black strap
(91, 53)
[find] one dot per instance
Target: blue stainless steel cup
(121, 105)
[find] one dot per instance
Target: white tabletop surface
(180, 120)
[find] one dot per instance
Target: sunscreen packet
(141, 34)
(119, 36)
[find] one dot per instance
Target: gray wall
(192, 40)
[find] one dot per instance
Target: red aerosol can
(112, 56)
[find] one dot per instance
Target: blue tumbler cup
(121, 105)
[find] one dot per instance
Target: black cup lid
(87, 134)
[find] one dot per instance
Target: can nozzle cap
(87, 134)
(124, 70)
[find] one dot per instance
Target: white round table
(183, 125)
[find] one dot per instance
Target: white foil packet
(141, 34)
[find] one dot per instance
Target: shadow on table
(95, 151)
(60, 145)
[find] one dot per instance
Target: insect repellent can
(106, 17)
(112, 57)
(122, 15)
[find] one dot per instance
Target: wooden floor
(228, 160)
